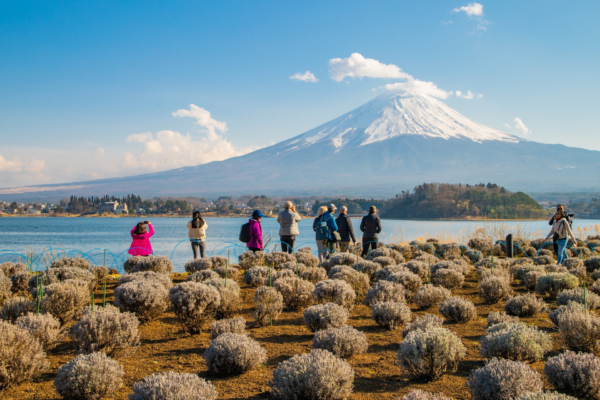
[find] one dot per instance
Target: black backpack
(245, 233)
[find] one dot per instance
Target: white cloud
(203, 118)
(357, 66)
(472, 9)
(447, 23)
(521, 127)
(100, 152)
(305, 77)
(507, 125)
(16, 165)
(469, 95)
(421, 87)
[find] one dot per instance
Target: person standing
(370, 227)
(560, 232)
(197, 233)
(288, 221)
(256, 238)
(332, 227)
(559, 207)
(320, 236)
(345, 229)
(140, 245)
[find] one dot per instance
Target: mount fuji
(394, 142)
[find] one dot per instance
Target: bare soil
(165, 347)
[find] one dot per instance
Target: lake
(92, 236)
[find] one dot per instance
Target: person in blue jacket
(332, 225)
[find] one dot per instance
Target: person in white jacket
(562, 228)
(197, 233)
(288, 221)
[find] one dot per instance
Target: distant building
(109, 206)
(33, 211)
(121, 209)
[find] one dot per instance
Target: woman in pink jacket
(256, 240)
(140, 246)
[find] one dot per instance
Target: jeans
(197, 244)
(562, 250)
(287, 243)
(369, 242)
(322, 250)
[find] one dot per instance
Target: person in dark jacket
(321, 244)
(332, 225)
(345, 230)
(559, 208)
(370, 227)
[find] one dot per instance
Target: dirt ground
(165, 347)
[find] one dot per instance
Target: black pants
(287, 243)
(253, 249)
(197, 244)
(369, 243)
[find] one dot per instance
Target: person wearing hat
(332, 225)
(345, 229)
(321, 244)
(370, 227)
(288, 227)
(256, 240)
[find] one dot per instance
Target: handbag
(336, 236)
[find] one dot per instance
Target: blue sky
(86, 87)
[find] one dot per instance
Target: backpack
(562, 230)
(322, 229)
(245, 233)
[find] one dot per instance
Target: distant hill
(463, 201)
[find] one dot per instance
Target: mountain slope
(392, 143)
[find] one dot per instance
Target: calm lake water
(90, 236)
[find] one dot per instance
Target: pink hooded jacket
(256, 240)
(140, 246)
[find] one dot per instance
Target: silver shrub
(577, 295)
(418, 267)
(429, 295)
(60, 275)
(89, 377)
(384, 261)
(5, 287)
(106, 330)
(357, 280)
(496, 317)
(429, 353)
(231, 353)
(294, 267)
(410, 281)
(502, 380)
(384, 273)
(318, 375)
(146, 299)
(343, 342)
(494, 289)
(427, 259)
(458, 309)
(249, 259)
(580, 273)
(163, 279)
(284, 273)
(268, 304)
(229, 292)
(65, 301)
(276, 258)
(579, 331)
(555, 269)
(596, 274)
(386, 252)
(194, 304)
(525, 305)
(575, 373)
(159, 264)
(131, 262)
(515, 341)
(334, 291)
(100, 273)
(323, 316)
(218, 261)
(314, 274)
(383, 291)
(391, 314)
(296, 292)
(16, 306)
(307, 259)
(545, 396)
(592, 263)
(200, 264)
(20, 283)
(503, 273)
(232, 325)
(531, 278)
(421, 395)
(43, 327)
(21, 356)
(523, 269)
(424, 322)
(202, 276)
(338, 269)
(257, 276)
(571, 305)
(72, 262)
(553, 283)
(448, 278)
(346, 259)
(9, 268)
(367, 267)
(595, 288)
(173, 386)
(227, 271)
(544, 260)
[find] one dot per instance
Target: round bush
(578, 331)
(592, 263)
(314, 274)
(43, 327)
(9, 268)
(458, 309)
(232, 354)
(334, 291)
(232, 325)
(515, 341)
(268, 304)
(575, 373)
(526, 305)
(383, 291)
(194, 304)
(384, 273)
(100, 273)
(357, 280)
(173, 386)
(257, 276)
(423, 323)
(60, 275)
(163, 279)
(410, 281)
(494, 289)
(429, 295)
(65, 301)
(201, 276)
(367, 267)
(448, 278)
(159, 264)
(499, 317)
(276, 258)
(89, 377)
(199, 264)
(296, 268)
(5, 288)
(418, 268)
(297, 293)
(390, 314)
(571, 305)
(227, 272)
(323, 316)
(14, 307)
(545, 396)
(429, 353)
(131, 262)
(577, 295)
(503, 379)
(306, 258)
(384, 261)
(396, 257)
(21, 356)
(503, 273)
(531, 278)
(71, 262)
(229, 293)
(524, 269)
(250, 259)
(544, 260)
(344, 342)
(106, 330)
(146, 299)
(554, 283)
(421, 395)
(319, 375)
(20, 283)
